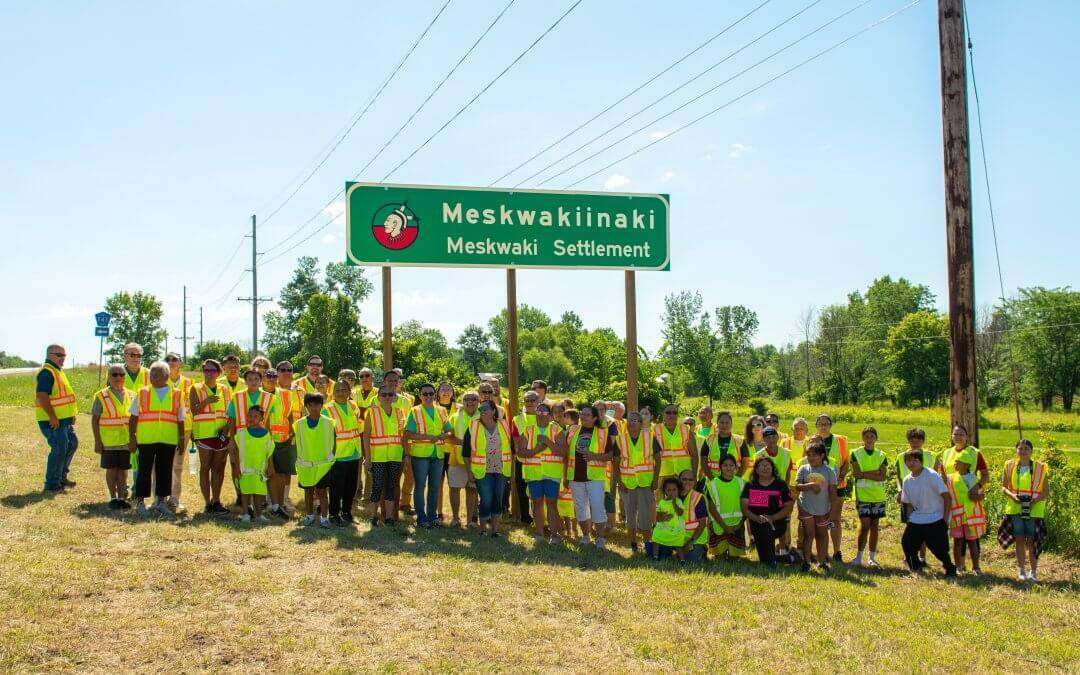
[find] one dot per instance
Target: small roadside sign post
(101, 330)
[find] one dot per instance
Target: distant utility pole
(183, 331)
(254, 299)
(200, 327)
(958, 229)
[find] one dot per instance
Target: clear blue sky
(139, 139)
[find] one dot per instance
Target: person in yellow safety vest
(230, 371)
(109, 422)
(183, 384)
(721, 442)
(261, 364)
(589, 449)
(695, 518)
(458, 476)
(518, 487)
(727, 536)
(1025, 485)
(236, 410)
(307, 383)
(959, 448)
(446, 398)
(704, 435)
(55, 408)
(404, 488)
(426, 427)
(252, 465)
(384, 452)
(783, 470)
(836, 456)
(869, 468)
(967, 518)
(798, 440)
(366, 396)
(348, 429)
(207, 402)
(487, 446)
(566, 512)
(636, 478)
(315, 453)
(290, 408)
(669, 533)
(136, 376)
(676, 445)
(541, 468)
(751, 443)
(156, 430)
(502, 401)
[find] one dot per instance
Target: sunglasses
(60, 354)
(386, 395)
(426, 394)
(116, 374)
(670, 414)
(133, 354)
(366, 377)
(210, 370)
(757, 425)
(284, 370)
(319, 365)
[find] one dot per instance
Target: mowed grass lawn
(86, 589)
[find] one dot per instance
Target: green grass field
(87, 589)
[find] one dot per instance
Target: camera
(1025, 506)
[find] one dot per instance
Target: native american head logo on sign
(395, 226)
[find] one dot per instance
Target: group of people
(686, 488)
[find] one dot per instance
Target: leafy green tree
(475, 348)
(1045, 337)
(714, 348)
(136, 317)
(219, 349)
(550, 365)
(993, 376)
(329, 326)
(917, 357)
(529, 318)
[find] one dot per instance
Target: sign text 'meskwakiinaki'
(431, 226)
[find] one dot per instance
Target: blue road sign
(101, 331)
(102, 319)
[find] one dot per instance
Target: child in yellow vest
(566, 512)
(252, 466)
(967, 521)
(315, 456)
(669, 533)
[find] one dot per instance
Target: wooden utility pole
(958, 228)
(387, 323)
(631, 342)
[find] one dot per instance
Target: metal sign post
(101, 330)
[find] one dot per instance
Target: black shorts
(871, 510)
(844, 492)
(116, 459)
(284, 459)
(324, 482)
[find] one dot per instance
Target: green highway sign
(435, 226)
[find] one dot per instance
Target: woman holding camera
(1025, 487)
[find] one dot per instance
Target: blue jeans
(491, 489)
(427, 475)
(62, 446)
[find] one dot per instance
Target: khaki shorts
(458, 476)
(639, 505)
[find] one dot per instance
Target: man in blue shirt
(55, 410)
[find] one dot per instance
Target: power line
(483, 90)
(437, 87)
(221, 300)
(685, 84)
(918, 338)
(361, 115)
(633, 91)
(221, 272)
(764, 84)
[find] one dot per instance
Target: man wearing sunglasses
(306, 384)
(109, 421)
(55, 409)
(136, 375)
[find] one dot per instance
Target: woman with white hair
(156, 431)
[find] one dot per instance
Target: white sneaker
(600, 543)
(324, 522)
(308, 520)
(163, 509)
(1031, 576)
(584, 541)
(289, 509)
(262, 518)
(246, 518)
(1022, 576)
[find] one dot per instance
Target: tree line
(885, 343)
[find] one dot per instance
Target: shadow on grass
(404, 539)
(28, 498)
